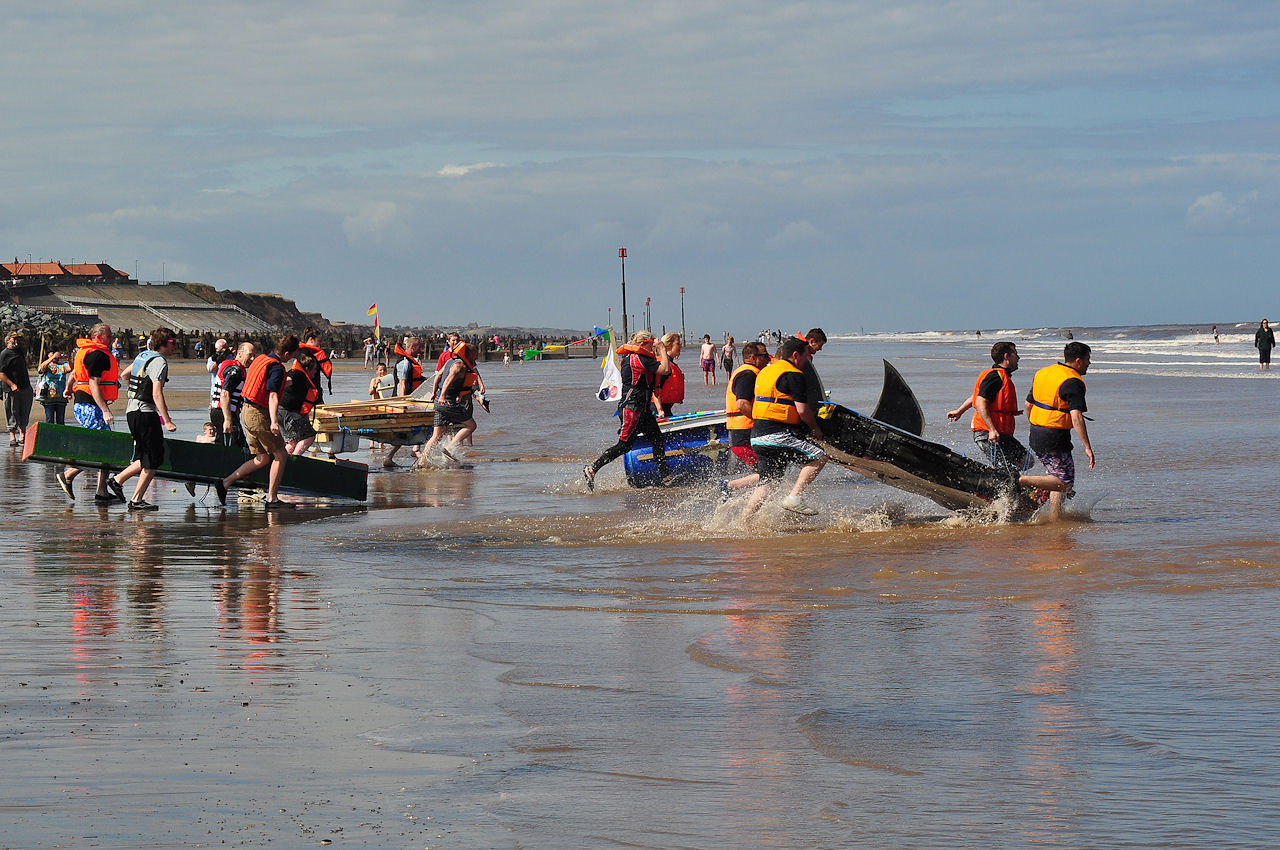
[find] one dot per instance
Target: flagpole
(622, 257)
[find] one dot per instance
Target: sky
(877, 166)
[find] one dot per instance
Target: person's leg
(464, 433)
(276, 474)
(144, 481)
(808, 472)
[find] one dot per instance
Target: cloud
(369, 224)
(1216, 213)
(464, 170)
(792, 234)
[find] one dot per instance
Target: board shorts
(90, 416)
(708, 364)
(257, 428)
(1061, 465)
(1007, 455)
(294, 426)
(745, 454)
(775, 451)
(457, 413)
(148, 437)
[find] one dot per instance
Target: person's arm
(224, 402)
(273, 411)
(95, 390)
(373, 388)
(1082, 431)
(157, 398)
(664, 362)
(983, 407)
(809, 417)
(435, 381)
(954, 415)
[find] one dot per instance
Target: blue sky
(877, 165)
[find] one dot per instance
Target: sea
(493, 657)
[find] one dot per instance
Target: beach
(493, 657)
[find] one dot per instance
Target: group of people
(455, 387)
(772, 404)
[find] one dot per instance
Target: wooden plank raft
(185, 460)
(403, 420)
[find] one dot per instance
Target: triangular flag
(611, 386)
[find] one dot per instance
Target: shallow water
(495, 658)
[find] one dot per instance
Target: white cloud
(464, 170)
(1217, 213)
(794, 233)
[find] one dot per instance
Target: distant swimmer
(995, 404)
(643, 360)
(1264, 340)
(1215, 335)
(784, 428)
(1055, 408)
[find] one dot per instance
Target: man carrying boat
(784, 427)
(261, 419)
(739, 397)
(454, 407)
(148, 417)
(95, 384)
(814, 393)
(995, 404)
(643, 360)
(1055, 408)
(408, 378)
(231, 375)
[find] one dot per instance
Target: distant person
(1264, 340)
(707, 360)
(17, 383)
(784, 428)
(95, 384)
(208, 434)
(739, 399)
(1055, 408)
(1215, 335)
(148, 417)
(671, 387)
(728, 356)
(370, 352)
(643, 360)
(261, 420)
(995, 404)
(51, 386)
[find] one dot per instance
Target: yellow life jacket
(1047, 407)
(736, 421)
(770, 404)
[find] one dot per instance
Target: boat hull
(202, 463)
(697, 448)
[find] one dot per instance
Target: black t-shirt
(1042, 439)
(744, 387)
(13, 363)
(991, 385)
(295, 392)
(792, 384)
(95, 363)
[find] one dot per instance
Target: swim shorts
(454, 414)
(1061, 465)
(775, 451)
(708, 364)
(1007, 455)
(90, 416)
(148, 438)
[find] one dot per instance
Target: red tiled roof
(33, 269)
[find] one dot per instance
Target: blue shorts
(90, 416)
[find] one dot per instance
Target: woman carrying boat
(643, 361)
(300, 395)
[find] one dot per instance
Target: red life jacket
(255, 381)
(1003, 407)
(671, 390)
(415, 370)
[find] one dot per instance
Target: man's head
(1077, 355)
(454, 339)
(163, 341)
(756, 354)
(1005, 353)
(795, 350)
(816, 339)
(381, 370)
(220, 346)
(101, 332)
(413, 345)
(245, 353)
(12, 339)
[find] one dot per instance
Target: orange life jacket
(461, 390)
(322, 359)
(255, 380)
(770, 403)
(1003, 408)
(313, 392)
(414, 379)
(109, 380)
(736, 421)
(671, 390)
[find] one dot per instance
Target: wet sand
(495, 658)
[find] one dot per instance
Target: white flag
(611, 386)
